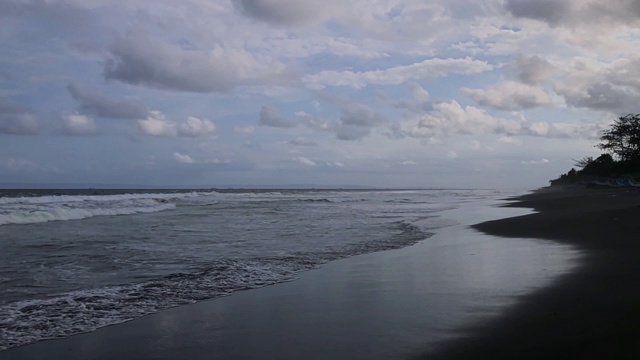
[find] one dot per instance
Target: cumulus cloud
(357, 121)
(194, 127)
(182, 158)
(95, 103)
(449, 117)
(509, 95)
(139, 59)
(16, 120)
(78, 125)
(430, 68)
(270, 116)
(157, 124)
(611, 87)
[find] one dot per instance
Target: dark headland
(591, 313)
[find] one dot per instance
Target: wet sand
(591, 313)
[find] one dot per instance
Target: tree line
(621, 157)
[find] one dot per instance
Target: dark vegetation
(621, 160)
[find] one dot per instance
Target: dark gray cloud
(604, 96)
(95, 103)
(357, 121)
(269, 116)
(552, 12)
(532, 70)
(16, 120)
(281, 12)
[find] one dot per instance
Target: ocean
(74, 261)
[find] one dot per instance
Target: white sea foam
(60, 213)
(29, 210)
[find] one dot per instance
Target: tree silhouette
(623, 139)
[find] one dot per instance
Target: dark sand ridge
(591, 313)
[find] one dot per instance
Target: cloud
(536, 162)
(78, 125)
(138, 59)
(156, 124)
(181, 158)
(408, 162)
(16, 120)
(576, 12)
(532, 70)
(304, 161)
(194, 127)
(302, 142)
(19, 164)
(611, 87)
(418, 92)
(283, 12)
(550, 11)
(509, 95)
(357, 121)
(95, 103)
(430, 68)
(270, 116)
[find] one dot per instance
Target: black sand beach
(375, 306)
(591, 313)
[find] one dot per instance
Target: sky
(384, 93)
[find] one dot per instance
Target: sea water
(74, 261)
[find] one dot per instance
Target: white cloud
(78, 125)
(430, 68)
(305, 161)
(157, 125)
(19, 164)
(535, 162)
(408, 162)
(509, 95)
(182, 158)
(194, 127)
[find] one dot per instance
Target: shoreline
(592, 312)
(380, 305)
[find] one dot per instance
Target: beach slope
(593, 312)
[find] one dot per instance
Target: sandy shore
(591, 313)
